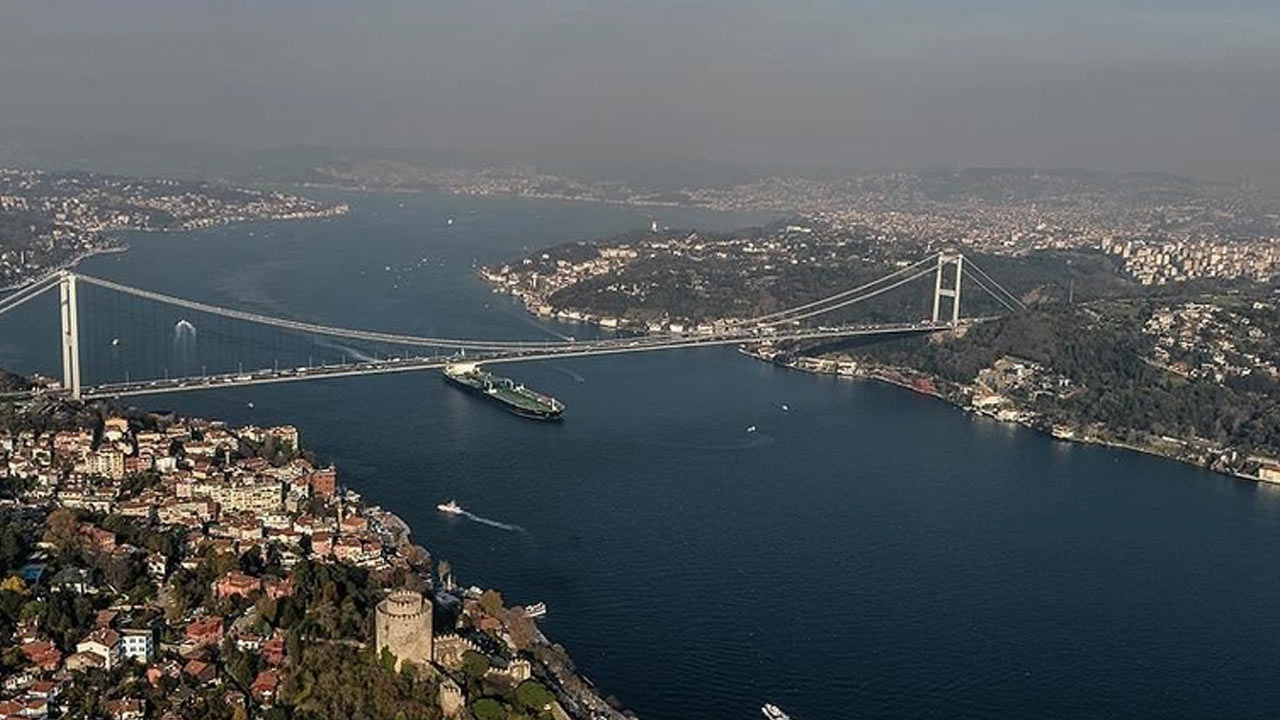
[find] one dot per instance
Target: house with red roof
(42, 653)
(200, 671)
(205, 631)
(236, 584)
(264, 686)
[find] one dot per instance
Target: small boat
(773, 712)
(450, 508)
(751, 428)
(536, 610)
(785, 408)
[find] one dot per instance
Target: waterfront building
(324, 483)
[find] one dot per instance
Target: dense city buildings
(211, 571)
(1166, 228)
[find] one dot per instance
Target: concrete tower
(402, 622)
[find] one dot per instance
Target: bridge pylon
(69, 304)
(953, 292)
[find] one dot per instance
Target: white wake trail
(349, 352)
(491, 523)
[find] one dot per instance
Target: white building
(138, 644)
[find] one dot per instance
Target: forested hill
(1212, 377)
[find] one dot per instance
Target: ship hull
(528, 414)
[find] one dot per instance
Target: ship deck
(523, 400)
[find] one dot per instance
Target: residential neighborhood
(158, 567)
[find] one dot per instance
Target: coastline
(116, 245)
(906, 378)
(344, 530)
(68, 264)
(573, 688)
(927, 385)
(464, 192)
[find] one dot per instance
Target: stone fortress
(402, 625)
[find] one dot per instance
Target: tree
(13, 545)
(252, 562)
(491, 601)
(122, 572)
(242, 666)
(533, 696)
(386, 658)
(332, 682)
(14, 584)
(474, 665)
(63, 528)
(488, 709)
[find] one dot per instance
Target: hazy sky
(1116, 85)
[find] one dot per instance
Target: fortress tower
(402, 623)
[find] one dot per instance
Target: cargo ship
(513, 397)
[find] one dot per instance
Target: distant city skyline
(824, 86)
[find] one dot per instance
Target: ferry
(513, 398)
(536, 610)
(773, 712)
(450, 508)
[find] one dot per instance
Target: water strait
(864, 553)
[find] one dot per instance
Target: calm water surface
(867, 554)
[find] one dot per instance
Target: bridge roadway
(576, 349)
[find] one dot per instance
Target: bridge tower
(953, 292)
(70, 334)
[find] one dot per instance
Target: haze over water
(866, 553)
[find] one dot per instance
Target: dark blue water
(868, 553)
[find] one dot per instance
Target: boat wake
(350, 352)
(575, 376)
(491, 523)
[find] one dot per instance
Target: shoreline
(923, 384)
(570, 684)
(902, 383)
(117, 245)
(346, 530)
(459, 192)
(68, 264)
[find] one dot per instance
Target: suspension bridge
(405, 353)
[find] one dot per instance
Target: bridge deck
(395, 365)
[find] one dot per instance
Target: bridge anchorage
(175, 335)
